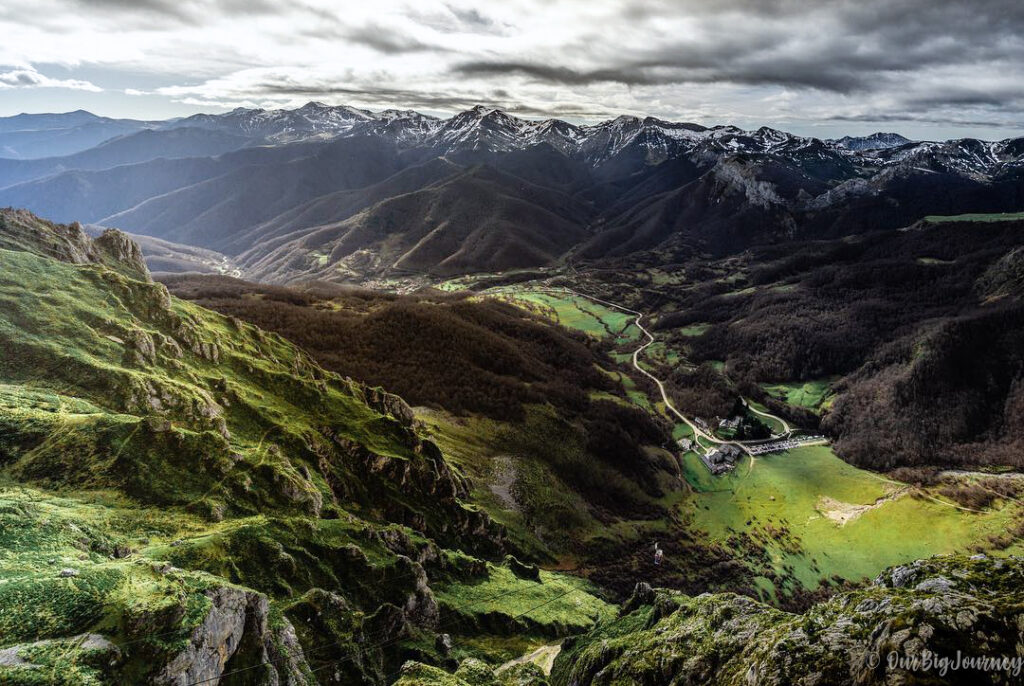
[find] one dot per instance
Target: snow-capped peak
(655, 140)
(876, 141)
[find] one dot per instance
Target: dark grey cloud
(169, 7)
(388, 41)
(959, 98)
(20, 78)
(471, 17)
(838, 47)
(664, 70)
(555, 74)
(947, 121)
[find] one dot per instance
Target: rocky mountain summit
(876, 141)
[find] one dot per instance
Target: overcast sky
(924, 68)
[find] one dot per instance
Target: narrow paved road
(697, 431)
(786, 429)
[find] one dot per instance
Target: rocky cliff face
(23, 231)
(234, 636)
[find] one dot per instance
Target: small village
(723, 457)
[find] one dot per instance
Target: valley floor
(797, 519)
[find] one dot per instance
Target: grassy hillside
(536, 416)
(184, 496)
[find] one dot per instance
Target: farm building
(733, 423)
(721, 459)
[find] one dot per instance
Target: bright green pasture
(809, 394)
(792, 491)
(580, 313)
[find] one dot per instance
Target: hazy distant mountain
(140, 146)
(30, 136)
(210, 212)
(89, 196)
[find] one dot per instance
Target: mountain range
(346, 194)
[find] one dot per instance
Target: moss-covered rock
(472, 673)
(942, 606)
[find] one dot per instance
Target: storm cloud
(932, 68)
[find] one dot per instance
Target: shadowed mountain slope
(480, 220)
(133, 148)
(31, 136)
(211, 212)
(919, 330)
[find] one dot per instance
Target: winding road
(786, 428)
(697, 431)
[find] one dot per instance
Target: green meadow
(574, 312)
(810, 394)
(819, 517)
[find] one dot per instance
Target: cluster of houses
(733, 423)
(718, 461)
(722, 459)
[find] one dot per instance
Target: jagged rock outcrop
(235, 635)
(116, 248)
(22, 230)
(389, 404)
(642, 595)
(521, 569)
